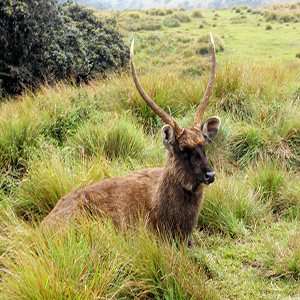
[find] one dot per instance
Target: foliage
(47, 41)
(197, 14)
(171, 22)
(182, 18)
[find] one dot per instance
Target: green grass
(64, 137)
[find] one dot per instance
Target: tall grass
(117, 137)
(231, 207)
(95, 261)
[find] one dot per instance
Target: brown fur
(168, 198)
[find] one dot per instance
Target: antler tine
(162, 114)
(208, 91)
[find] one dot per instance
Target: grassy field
(63, 137)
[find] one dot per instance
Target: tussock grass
(94, 260)
(118, 137)
(204, 44)
(197, 14)
(282, 259)
(231, 207)
(49, 178)
(248, 143)
(18, 138)
(276, 188)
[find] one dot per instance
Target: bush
(197, 14)
(268, 27)
(105, 48)
(48, 40)
(171, 22)
(182, 18)
(298, 55)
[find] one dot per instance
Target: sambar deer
(169, 199)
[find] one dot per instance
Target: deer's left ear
(210, 128)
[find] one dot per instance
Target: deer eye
(186, 152)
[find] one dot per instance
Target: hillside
(187, 4)
(64, 137)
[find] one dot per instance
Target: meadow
(63, 137)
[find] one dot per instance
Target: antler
(208, 91)
(162, 114)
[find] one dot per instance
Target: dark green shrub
(169, 11)
(105, 48)
(298, 55)
(203, 50)
(26, 30)
(42, 40)
(268, 27)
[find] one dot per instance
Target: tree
(43, 40)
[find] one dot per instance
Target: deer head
(186, 145)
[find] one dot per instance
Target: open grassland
(63, 137)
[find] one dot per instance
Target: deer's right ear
(168, 136)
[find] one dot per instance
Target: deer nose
(209, 177)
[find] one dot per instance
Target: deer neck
(176, 203)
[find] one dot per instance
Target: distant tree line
(42, 40)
